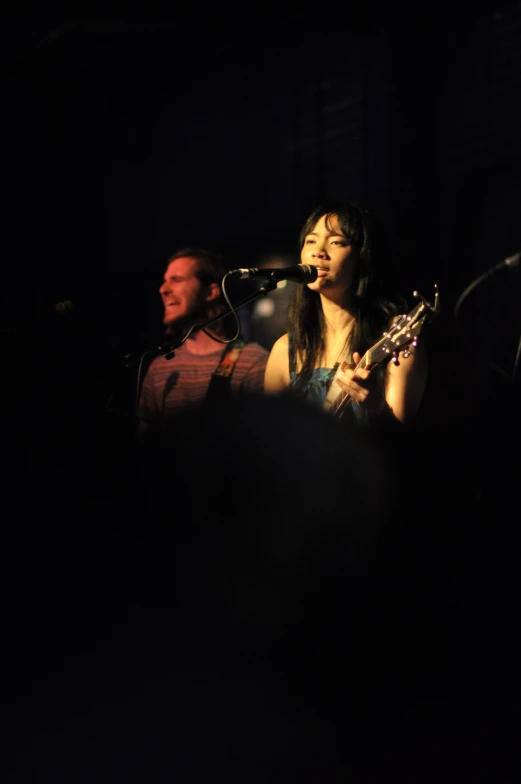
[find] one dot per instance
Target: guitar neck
(402, 334)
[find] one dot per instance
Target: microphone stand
(168, 350)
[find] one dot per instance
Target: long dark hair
(374, 304)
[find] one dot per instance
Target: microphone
(509, 263)
(30, 314)
(301, 273)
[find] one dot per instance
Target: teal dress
(315, 389)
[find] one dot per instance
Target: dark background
(126, 136)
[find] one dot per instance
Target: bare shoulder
(281, 344)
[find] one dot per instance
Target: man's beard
(179, 327)
(198, 317)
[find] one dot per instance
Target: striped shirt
(175, 386)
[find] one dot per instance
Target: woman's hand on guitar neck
(359, 385)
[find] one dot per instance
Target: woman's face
(327, 248)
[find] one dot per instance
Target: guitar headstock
(404, 331)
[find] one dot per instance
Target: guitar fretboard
(401, 335)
